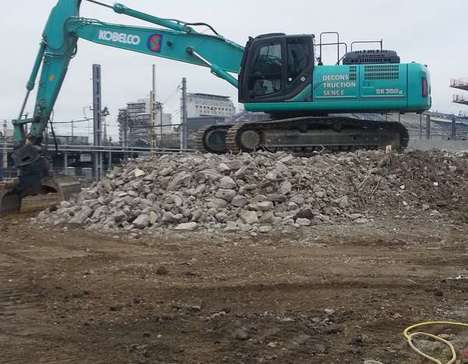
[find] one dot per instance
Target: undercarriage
(303, 135)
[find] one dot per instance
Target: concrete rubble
(263, 192)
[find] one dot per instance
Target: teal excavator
(310, 105)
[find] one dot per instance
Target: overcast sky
(432, 32)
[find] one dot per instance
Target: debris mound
(265, 191)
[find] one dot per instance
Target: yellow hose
(409, 337)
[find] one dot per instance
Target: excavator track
(306, 135)
(212, 139)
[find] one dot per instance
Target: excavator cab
(276, 67)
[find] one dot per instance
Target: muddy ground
(329, 294)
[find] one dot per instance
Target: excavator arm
(178, 42)
(172, 39)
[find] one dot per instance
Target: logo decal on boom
(155, 42)
(123, 38)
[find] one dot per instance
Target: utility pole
(153, 113)
(5, 150)
(104, 114)
(104, 124)
(184, 116)
(73, 129)
(420, 126)
(126, 136)
(161, 122)
(454, 128)
(97, 117)
(428, 127)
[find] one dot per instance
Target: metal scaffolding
(459, 84)
(460, 99)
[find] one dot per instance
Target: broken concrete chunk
(239, 201)
(249, 217)
(304, 222)
(142, 221)
(139, 173)
(223, 167)
(227, 183)
(265, 229)
(190, 226)
(179, 180)
(166, 172)
(211, 174)
(264, 206)
(82, 215)
(120, 216)
(169, 217)
(226, 195)
(153, 217)
(343, 202)
(217, 203)
(286, 188)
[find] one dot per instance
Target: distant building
(9, 134)
(135, 123)
(204, 110)
(205, 105)
(163, 123)
(122, 121)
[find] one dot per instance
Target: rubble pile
(265, 191)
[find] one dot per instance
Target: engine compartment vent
(371, 57)
(382, 72)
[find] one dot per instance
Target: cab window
(266, 76)
(276, 68)
(298, 59)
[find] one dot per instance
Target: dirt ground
(329, 294)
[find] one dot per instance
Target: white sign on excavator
(119, 37)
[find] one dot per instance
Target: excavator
(310, 105)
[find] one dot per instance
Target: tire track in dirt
(24, 317)
(15, 284)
